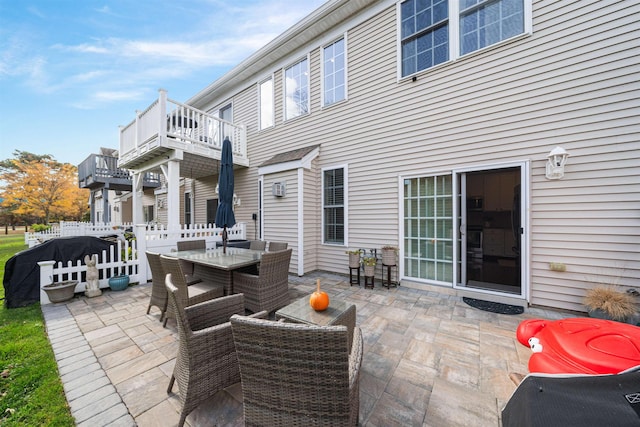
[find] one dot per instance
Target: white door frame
(459, 205)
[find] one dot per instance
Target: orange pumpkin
(319, 300)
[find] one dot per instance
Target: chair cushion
(203, 287)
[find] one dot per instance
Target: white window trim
(346, 71)
(306, 57)
(345, 168)
(273, 102)
(454, 38)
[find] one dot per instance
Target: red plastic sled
(580, 345)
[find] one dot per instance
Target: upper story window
(334, 73)
(430, 29)
(483, 23)
(296, 89)
(424, 34)
(265, 94)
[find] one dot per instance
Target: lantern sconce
(555, 163)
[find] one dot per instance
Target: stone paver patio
(429, 359)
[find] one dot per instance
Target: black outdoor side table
(388, 277)
(369, 282)
(356, 280)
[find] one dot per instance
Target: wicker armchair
(187, 267)
(277, 246)
(158, 288)
(269, 290)
(206, 362)
(187, 294)
(257, 245)
(295, 374)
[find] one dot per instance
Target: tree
(39, 186)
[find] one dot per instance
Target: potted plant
(369, 266)
(121, 281)
(60, 291)
(389, 255)
(606, 302)
(354, 258)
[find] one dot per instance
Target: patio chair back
(206, 362)
(158, 289)
(257, 245)
(269, 290)
(186, 295)
(190, 245)
(277, 246)
(294, 374)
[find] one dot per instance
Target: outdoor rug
(494, 307)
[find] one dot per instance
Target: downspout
(300, 221)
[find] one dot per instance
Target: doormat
(494, 307)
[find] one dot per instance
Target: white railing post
(141, 243)
(162, 106)
(46, 278)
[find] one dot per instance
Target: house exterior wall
(312, 232)
(573, 83)
(281, 218)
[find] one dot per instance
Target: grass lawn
(31, 393)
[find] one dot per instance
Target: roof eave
(312, 26)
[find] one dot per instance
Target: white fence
(120, 259)
(70, 228)
(155, 239)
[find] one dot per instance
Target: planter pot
(119, 283)
(601, 314)
(60, 291)
(369, 270)
(354, 260)
(389, 257)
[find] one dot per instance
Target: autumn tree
(39, 186)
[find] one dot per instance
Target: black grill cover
(594, 400)
(22, 272)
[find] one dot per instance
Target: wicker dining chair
(206, 362)
(257, 245)
(188, 267)
(158, 289)
(277, 246)
(269, 289)
(187, 294)
(297, 375)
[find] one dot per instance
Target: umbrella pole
(224, 240)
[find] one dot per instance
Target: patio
(429, 358)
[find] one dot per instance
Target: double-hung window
(296, 89)
(333, 205)
(333, 73)
(265, 94)
(424, 34)
(435, 31)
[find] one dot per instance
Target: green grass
(31, 393)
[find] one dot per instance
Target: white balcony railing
(166, 120)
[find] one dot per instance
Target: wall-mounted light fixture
(555, 163)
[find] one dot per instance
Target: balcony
(168, 129)
(102, 171)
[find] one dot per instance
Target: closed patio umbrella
(224, 215)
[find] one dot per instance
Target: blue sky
(71, 71)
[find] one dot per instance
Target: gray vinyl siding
(312, 217)
(572, 83)
(281, 213)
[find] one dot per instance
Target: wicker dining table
(218, 266)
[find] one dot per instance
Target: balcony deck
(170, 129)
(102, 171)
